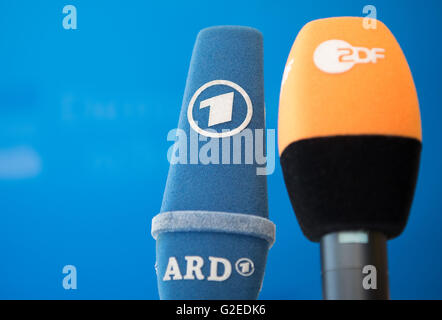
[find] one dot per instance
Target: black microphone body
(354, 266)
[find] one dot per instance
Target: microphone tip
(349, 128)
(214, 31)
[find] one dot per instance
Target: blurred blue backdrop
(84, 116)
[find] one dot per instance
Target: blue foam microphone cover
(213, 232)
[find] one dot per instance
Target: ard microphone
(213, 232)
(349, 142)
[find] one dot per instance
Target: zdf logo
(338, 56)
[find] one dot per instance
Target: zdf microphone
(349, 142)
(213, 232)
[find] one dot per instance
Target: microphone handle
(354, 266)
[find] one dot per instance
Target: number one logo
(245, 267)
(221, 108)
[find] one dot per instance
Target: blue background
(84, 115)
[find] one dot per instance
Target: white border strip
(201, 221)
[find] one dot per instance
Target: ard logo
(220, 269)
(222, 109)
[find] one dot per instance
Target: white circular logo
(245, 267)
(329, 56)
(232, 132)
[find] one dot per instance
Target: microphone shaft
(354, 266)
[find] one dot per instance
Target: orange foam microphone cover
(349, 129)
